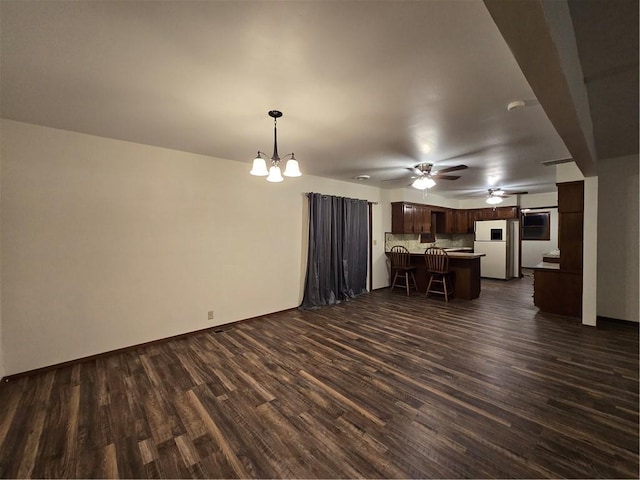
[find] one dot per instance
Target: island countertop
(456, 254)
(468, 255)
(465, 269)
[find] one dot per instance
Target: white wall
(107, 244)
(618, 244)
(590, 252)
(428, 197)
(568, 172)
(532, 250)
(1, 342)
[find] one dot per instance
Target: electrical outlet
(210, 314)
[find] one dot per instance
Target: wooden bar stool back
(438, 270)
(401, 269)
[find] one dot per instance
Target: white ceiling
(365, 88)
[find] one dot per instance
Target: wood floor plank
(384, 386)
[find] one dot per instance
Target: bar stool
(401, 264)
(438, 268)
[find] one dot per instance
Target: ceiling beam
(540, 35)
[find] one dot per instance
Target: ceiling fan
(496, 195)
(426, 178)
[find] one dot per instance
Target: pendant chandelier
(274, 174)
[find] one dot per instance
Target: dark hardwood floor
(382, 386)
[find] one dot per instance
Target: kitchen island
(465, 273)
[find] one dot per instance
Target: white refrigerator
(499, 240)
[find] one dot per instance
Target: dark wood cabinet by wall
(571, 197)
(570, 225)
(559, 290)
(402, 218)
(570, 231)
(410, 218)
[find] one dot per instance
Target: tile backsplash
(412, 241)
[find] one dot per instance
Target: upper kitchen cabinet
(410, 218)
(454, 221)
(462, 222)
(571, 197)
(506, 213)
(473, 216)
(490, 213)
(570, 225)
(417, 218)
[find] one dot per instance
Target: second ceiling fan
(496, 195)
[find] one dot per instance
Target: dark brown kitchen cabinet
(462, 222)
(449, 221)
(453, 221)
(571, 197)
(401, 218)
(570, 225)
(490, 213)
(473, 216)
(557, 292)
(570, 231)
(422, 219)
(558, 288)
(505, 213)
(410, 218)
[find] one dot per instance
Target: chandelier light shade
(274, 174)
(259, 167)
(423, 182)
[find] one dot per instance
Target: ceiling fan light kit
(424, 182)
(274, 173)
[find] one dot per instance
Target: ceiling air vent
(548, 163)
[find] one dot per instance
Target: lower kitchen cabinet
(558, 292)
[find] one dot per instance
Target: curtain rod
(327, 195)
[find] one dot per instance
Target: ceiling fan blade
(446, 177)
(508, 194)
(452, 169)
(397, 179)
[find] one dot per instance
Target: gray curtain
(338, 242)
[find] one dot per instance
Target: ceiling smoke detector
(515, 105)
(362, 178)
